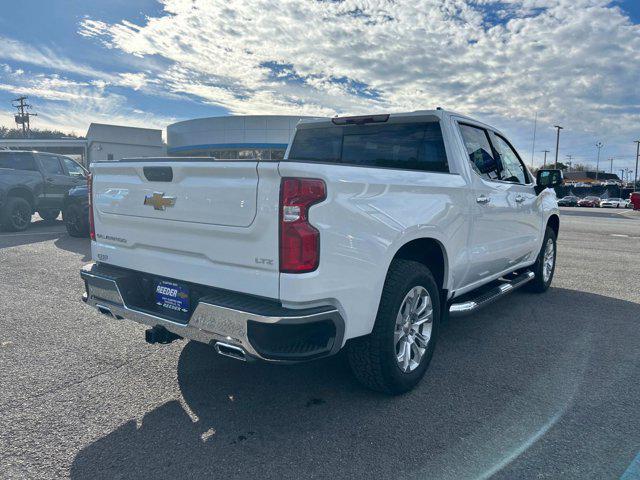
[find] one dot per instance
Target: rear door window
(409, 146)
(17, 161)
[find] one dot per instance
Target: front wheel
(545, 265)
(395, 355)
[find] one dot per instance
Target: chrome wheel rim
(548, 260)
(414, 323)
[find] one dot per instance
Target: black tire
(373, 358)
(16, 215)
(75, 222)
(49, 215)
(539, 284)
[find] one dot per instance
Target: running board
(468, 304)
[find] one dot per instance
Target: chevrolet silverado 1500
(368, 233)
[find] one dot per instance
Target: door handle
(49, 180)
(483, 199)
(519, 198)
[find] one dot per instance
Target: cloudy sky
(152, 62)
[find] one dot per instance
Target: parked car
(612, 203)
(568, 201)
(75, 211)
(364, 236)
(34, 182)
(589, 202)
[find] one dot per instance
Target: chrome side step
(468, 304)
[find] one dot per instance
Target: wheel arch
(24, 193)
(554, 223)
(431, 253)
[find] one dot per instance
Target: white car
(613, 203)
(364, 236)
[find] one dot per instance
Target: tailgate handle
(158, 174)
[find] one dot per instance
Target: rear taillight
(92, 228)
(299, 240)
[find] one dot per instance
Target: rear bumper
(263, 328)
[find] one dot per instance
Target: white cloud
(70, 105)
(575, 61)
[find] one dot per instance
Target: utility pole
(611, 167)
(545, 158)
(557, 142)
(635, 178)
(599, 146)
(569, 162)
(533, 146)
(22, 118)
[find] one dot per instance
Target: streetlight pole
(635, 178)
(611, 167)
(557, 142)
(544, 165)
(599, 145)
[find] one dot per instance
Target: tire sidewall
(12, 205)
(78, 228)
(387, 315)
(549, 234)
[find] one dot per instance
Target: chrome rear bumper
(234, 320)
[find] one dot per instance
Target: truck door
(492, 241)
(56, 181)
(526, 210)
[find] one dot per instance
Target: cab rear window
(410, 146)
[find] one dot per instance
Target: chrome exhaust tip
(230, 351)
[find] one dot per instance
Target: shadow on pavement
(38, 231)
(80, 246)
(526, 383)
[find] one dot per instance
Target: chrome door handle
(519, 198)
(483, 199)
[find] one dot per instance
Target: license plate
(172, 296)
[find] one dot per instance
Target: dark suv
(35, 182)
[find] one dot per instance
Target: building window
(109, 156)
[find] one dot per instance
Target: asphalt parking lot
(538, 386)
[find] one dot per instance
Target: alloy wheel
(414, 324)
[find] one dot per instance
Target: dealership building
(261, 137)
(102, 143)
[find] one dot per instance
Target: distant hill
(9, 133)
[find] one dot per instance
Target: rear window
(17, 161)
(410, 146)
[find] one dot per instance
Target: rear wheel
(395, 356)
(75, 222)
(16, 214)
(545, 265)
(49, 214)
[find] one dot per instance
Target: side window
(513, 170)
(73, 168)
(51, 165)
(480, 153)
(17, 161)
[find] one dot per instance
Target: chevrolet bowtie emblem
(158, 201)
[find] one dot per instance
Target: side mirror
(548, 179)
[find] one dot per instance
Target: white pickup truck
(369, 232)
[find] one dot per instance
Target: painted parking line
(633, 470)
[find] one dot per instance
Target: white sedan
(613, 203)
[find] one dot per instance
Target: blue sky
(152, 62)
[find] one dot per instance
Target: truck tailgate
(208, 222)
